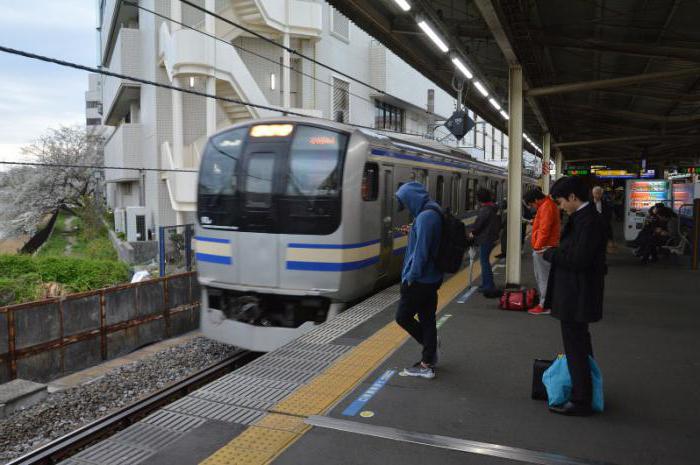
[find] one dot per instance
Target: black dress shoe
(572, 409)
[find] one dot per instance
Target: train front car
(271, 252)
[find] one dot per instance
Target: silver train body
(297, 219)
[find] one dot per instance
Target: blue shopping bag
(557, 382)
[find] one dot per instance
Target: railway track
(68, 445)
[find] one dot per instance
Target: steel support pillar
(211, 106)
(546, 149)
(286, 74)
(558, 164)
(515, 172)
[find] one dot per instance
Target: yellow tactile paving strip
(264, 441)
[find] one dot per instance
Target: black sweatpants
(420, 299)
(577, 346)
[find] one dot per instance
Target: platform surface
(335, 397)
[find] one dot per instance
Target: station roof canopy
(611, 80)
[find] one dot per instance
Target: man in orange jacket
(545, 235)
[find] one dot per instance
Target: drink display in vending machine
(640, 195)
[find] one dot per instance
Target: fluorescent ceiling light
(481, 88)
(433, 36)
(505, 115)
(494, 103)
(403, 4)
(461, 66)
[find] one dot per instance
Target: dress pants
(577, 346)
(542, 268)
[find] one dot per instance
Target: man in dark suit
(605, 209)
(575, 287)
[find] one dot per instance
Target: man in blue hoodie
(420, 277)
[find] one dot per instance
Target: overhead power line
(241, 48)
(97, 167)
(141, 80)
(276, 44)
(293, 52)
(179, 89)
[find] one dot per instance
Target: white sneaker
(419, 371)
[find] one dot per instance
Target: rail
(68, 445)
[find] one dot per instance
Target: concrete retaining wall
(47, 339)
(134, 253)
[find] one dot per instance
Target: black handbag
(538, 368)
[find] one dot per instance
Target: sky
(35, 96)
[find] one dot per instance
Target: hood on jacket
(413, 196)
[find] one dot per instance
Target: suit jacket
(577, 277)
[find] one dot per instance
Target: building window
(341, 101)
(93, 121)
(340, 25)
(92, 104)
(388, 117)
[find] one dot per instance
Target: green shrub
(24, 288)
(75, 274)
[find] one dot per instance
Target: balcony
(118, 93)
(124, 149)
(114, 16)
(305, 17)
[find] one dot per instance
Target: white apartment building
(166, 129)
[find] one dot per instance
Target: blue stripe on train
(331, 246)
(321, 266)
(399, 251)
(220, 259)
(212, 239)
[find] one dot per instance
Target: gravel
(65, 411)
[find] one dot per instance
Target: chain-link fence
(176, 254)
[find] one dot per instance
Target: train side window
(439, 189)
(455, 193)
(370, 182)
(421, 176)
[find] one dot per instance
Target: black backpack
(453, 242)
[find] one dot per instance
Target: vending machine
(640, 195)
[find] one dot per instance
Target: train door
(257, 255)
(386, 241)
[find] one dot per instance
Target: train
(297, 219)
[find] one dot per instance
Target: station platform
(335, 395)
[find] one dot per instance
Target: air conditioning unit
(135, 224)
(120, 220)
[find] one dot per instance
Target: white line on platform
(464, 297)
(446, 442)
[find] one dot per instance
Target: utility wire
(180, 89)
(293, 51)
(239, 47)
(98, 167)
(290, 50)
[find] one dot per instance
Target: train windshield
(272, 181)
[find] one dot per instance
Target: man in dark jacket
(420, 277)
(575, 287)
(604, 208)
(485, 231)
